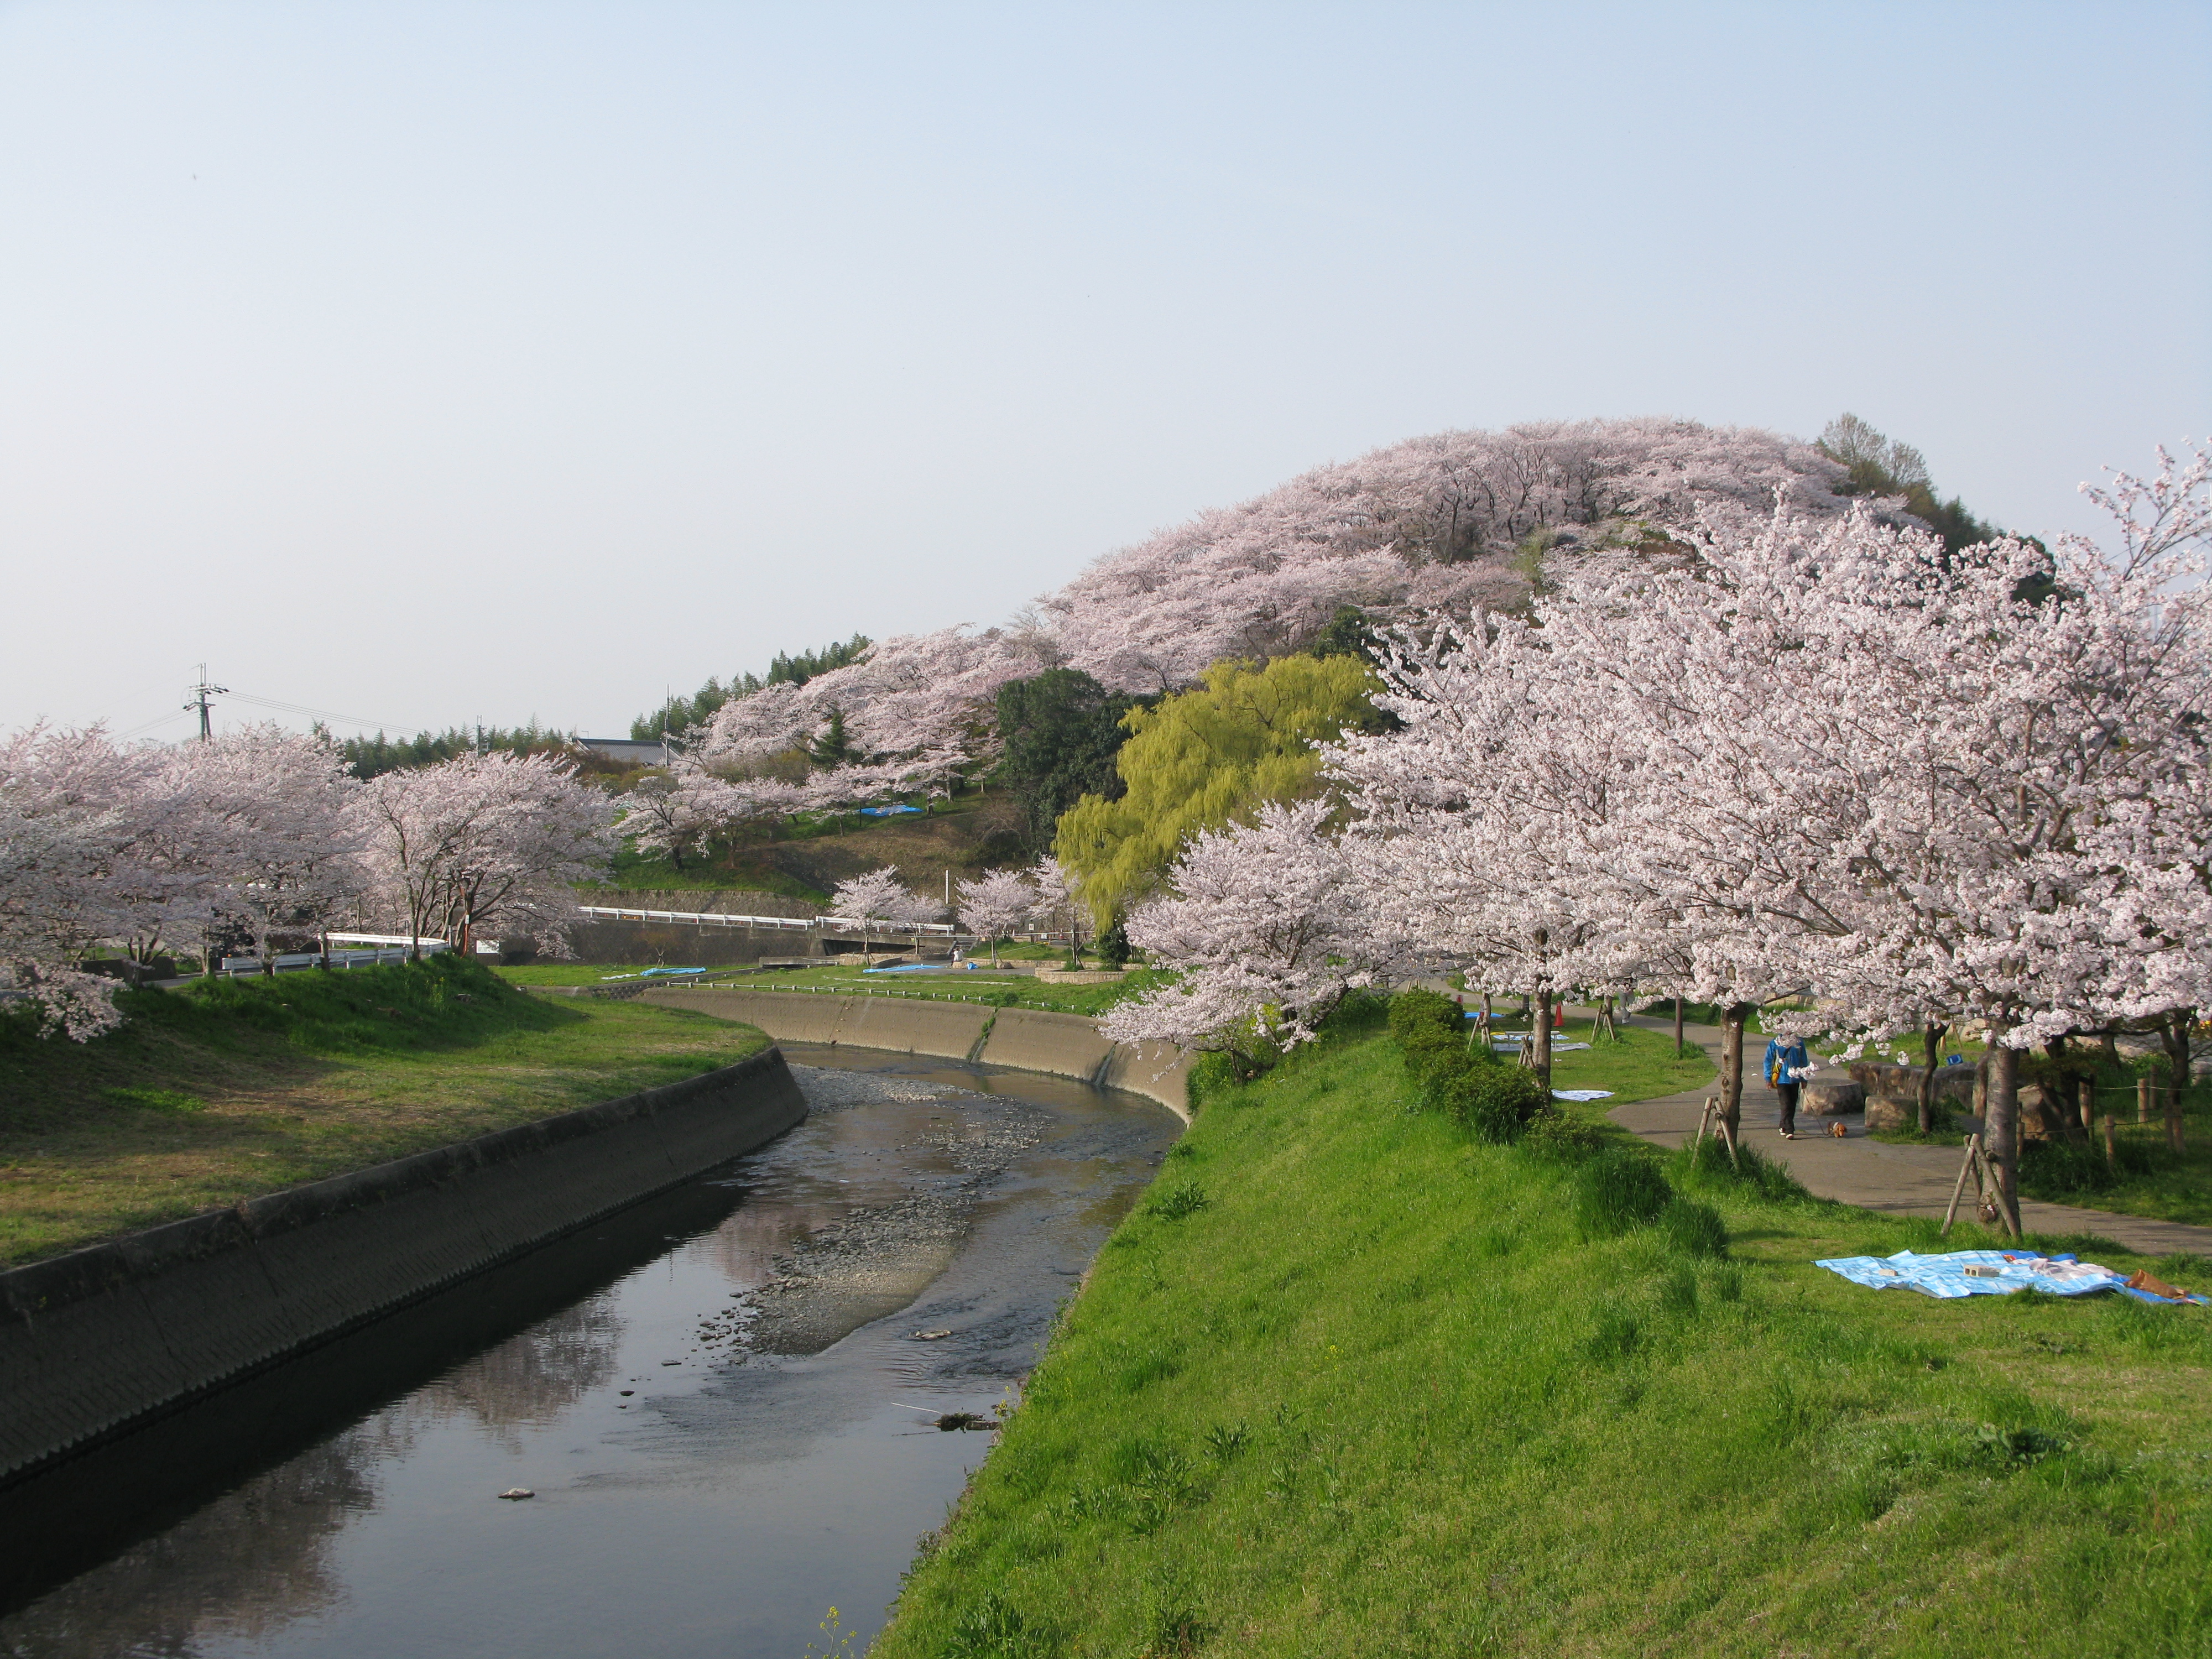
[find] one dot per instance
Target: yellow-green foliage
(1199, 759)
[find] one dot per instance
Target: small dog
(1837, 1131)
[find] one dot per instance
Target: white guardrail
(291, 960)
(788, 924)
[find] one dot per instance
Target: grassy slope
(965, 836)
(220, 1092)
(1377, 1397)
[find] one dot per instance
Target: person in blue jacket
(1786, 1064)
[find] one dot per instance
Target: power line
(327, 713)
(148, 725)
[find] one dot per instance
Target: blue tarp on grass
(1945, 1276)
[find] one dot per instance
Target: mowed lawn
(1001, 989)
(218, 1092)
(1348, 1383)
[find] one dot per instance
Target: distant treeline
(1882, 465)
(370, 756)
(684, 713)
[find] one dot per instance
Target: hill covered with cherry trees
(1443, 522)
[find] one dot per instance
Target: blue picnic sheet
(1944, 1276)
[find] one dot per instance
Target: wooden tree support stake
(1967, 1167)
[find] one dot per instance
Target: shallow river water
(722, 1400)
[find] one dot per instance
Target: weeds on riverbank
(1387, 1393)
(223, 1089)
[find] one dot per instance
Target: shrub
(1417, 1011)
(1555, 1136)
(1497, 1102)
(1617, 1192)
(1431, 1055)
(1694, 1229)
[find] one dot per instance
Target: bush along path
(1370, 1372)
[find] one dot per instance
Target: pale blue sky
(427, 361)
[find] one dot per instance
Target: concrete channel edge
(1027, 1039)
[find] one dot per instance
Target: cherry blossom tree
(1439, 521)
(673, 811)
(274, 812)
(1266, 929)
(1059, 901)
(1890, 776)
(1481, 828)
(877, 897)
(996, 905)
(65, 832)
(485, 841)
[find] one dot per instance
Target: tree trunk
(1933, 1037)
(1678, 1026)
(1543, 1039)
(2173, 1032)
(1732, 1020)
(2001, 1124)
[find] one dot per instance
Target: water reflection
(526, 1382)
(248, 1564)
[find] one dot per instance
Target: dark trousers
(1787, 1094)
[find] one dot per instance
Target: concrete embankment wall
(684, 943)
(1067, 1045)
(94, 1342)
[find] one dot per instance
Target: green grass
(632, 871)
(1001, 989)
(1640, 1066)
(1005, 990)
(1365, 1388)
(575, 973)
(223, 1090)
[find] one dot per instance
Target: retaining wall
(682, 944)
(97, 1342)
(1031, 1040)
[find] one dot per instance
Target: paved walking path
(1873, 1173)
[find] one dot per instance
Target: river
(723, 1402)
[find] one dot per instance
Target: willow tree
(1206, 758)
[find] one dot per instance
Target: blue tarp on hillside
(1945, 1276)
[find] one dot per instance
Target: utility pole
(199, 695)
